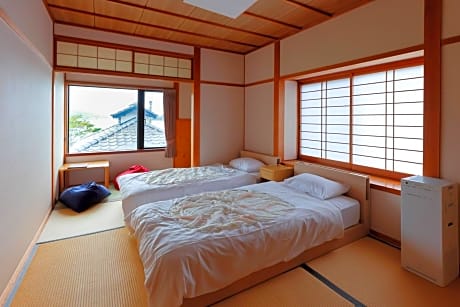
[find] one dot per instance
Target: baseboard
(24, 260)
(384, 238)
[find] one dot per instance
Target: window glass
(373, 120)
(103, 119)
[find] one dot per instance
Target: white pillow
(246, 164)
(317, 186)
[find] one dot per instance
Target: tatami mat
(66, 223)
(294, 288)
(102, 269)
(371, 272)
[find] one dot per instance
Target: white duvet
(198, 244)
(141, 188)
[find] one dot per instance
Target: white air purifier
(429, 228)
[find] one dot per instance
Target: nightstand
(276, 172)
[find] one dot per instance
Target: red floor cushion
(132, 169)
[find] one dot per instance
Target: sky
(99, 103)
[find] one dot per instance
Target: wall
(450, 107)
(221, 106)
(58, 129)
(25, 125)
(389, 25)
(259, 100)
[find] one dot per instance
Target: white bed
(136, 189)
(195, 260)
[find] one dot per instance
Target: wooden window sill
(392, 186)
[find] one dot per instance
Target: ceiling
(266, 21)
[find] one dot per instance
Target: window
(102, 119)
(370, 122)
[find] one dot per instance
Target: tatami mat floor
(364, 273)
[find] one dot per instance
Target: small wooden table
(276, 172)
(68, 167)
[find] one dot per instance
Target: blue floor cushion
(83, 196)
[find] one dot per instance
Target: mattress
(195, 251)
(136, 190)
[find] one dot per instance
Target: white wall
(259, 115)
(290, 120)
(450, 97)
(259, 100)
(58, 126)
(375, 28)
(25, 125)
(221, 123)
(259, 64)
(221, 106)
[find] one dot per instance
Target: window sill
(392, 186)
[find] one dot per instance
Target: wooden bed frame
(267, 159)
(360, 190)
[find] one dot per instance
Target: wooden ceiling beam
(194, 19)
(151, 25)
(297, 28)
(146, 36)
(309, 7)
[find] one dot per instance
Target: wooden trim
(385, 184)
(451, 40)
(273, 21)
(278, 129)
(298, 75)
(309, 7)
(193, 19)
(118, 73)
(10, 286)
(78, 40)
(260, 82)
(196, 108)
(115, 85)
(155, 26)
(384, 238)
(53, 103)
(432, 89)
(106, 153)
(365, 70)
(222, 83)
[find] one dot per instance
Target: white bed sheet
(184, 263)
(135, 191)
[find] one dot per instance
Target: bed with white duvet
(198, 244)
(141, 188)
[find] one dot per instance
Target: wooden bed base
(359, 190)
(267, 159)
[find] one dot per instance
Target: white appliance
(429, 228)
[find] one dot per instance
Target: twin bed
(141, 188)
(201, 248)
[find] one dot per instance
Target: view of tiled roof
(120, 137)
(131, 108)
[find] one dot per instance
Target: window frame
(140, 113)
(350, 74)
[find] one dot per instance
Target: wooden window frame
(349, 74)
(140, 113)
